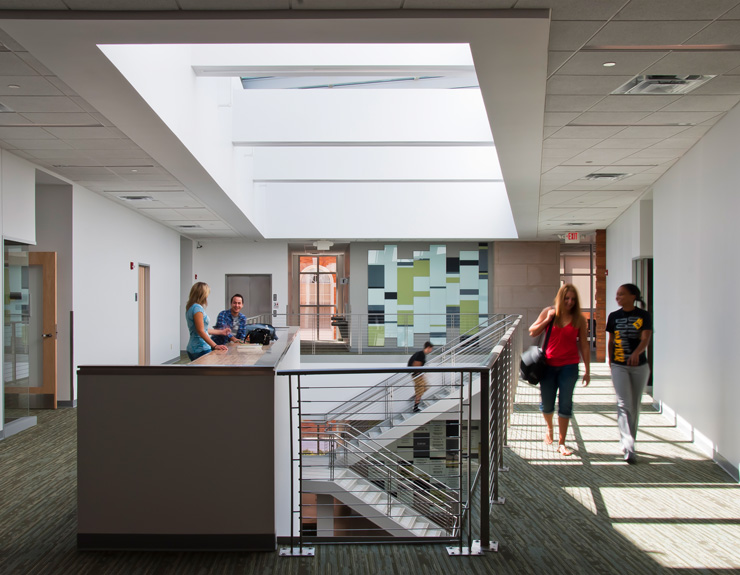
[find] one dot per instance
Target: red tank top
(562, 348)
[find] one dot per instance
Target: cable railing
(380, 333)
(369, 468)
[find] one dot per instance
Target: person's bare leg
(563, 432)
(548, 432)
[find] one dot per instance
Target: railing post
(485, 465)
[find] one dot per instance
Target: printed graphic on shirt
(626, 329)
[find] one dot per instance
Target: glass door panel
(318, 297)
(16, 335)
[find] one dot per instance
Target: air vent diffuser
(654, 84)
(136, 198)
(599, 177)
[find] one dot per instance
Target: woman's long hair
(576, 315)
(198, 294)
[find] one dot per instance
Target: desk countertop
(241, 354)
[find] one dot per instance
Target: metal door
(257, 292)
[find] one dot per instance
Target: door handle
(45, 335)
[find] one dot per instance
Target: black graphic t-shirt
(419, 356)
(626, 328)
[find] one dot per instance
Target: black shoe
(630, 458)
(416, 408)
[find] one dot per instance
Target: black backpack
(261, 336)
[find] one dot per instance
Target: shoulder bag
(533, 364)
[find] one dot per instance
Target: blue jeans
(560, 381)
(197, 354)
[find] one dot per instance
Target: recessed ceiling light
(136, 198)
(609, 64)
(14, 86)
(134, 170)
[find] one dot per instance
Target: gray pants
(629, 383)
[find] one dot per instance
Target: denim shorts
(561, 381)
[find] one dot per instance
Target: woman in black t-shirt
(630, 329)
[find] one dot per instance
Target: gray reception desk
(179, 457)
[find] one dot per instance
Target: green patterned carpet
(591, 513)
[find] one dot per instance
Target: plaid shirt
(225, 320)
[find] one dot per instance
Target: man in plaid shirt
(233, 319)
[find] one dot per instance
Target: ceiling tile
(599, 156)
(60, 118)
(83, 104)
(234, 4)
(610, 118)
(576, 9)
(462, 4)
(572, 172)
(651, 131)
(163, 214)
(119, 154)
(557, 103)
(622, 169)
(577, 144)
(50, 144)
(23, 104)
(546, 165)
(196, 214)
(122, 5)
(24, 134)
(709, 63)
(34, 64)
(549, 131)
(678, 143)
(584, 85)
(722, 32)
(590, 132)
(685, 118)
(674, 9)
(64, 157)
(555, 198)
(709, 103)
(571, 35)
(28, 86)
(9, 42)
(625, 143)
(657, 153)
(646, 33)
(733, 14)
(11, 119)
(555, 59)
(633, 103)
(627, 63)
(560, 154)
(34, 5)
(559, 118)
(12, 65)
(81, 133)
(103, 144)
(61, 86)
(343, 5)
(694, 132)
(719, 85)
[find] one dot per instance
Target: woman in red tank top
(568, 337)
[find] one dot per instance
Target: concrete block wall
(526, 277)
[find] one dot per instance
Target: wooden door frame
(46, 395)
(144, 315)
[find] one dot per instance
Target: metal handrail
(446, 509)
(497, 378)
(449, 355)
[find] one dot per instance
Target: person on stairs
(420, 380)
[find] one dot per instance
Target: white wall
(18, 184)
(54, 234)
(628, 238)
(107, 237)
(697, 282)
(215, 259)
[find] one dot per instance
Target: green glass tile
(406, 286)
(469, 315)
(421, 268)
(376, 335)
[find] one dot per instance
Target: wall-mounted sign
(572, 238)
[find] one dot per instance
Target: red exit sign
(572, 238)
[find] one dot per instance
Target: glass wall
(18, 353)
